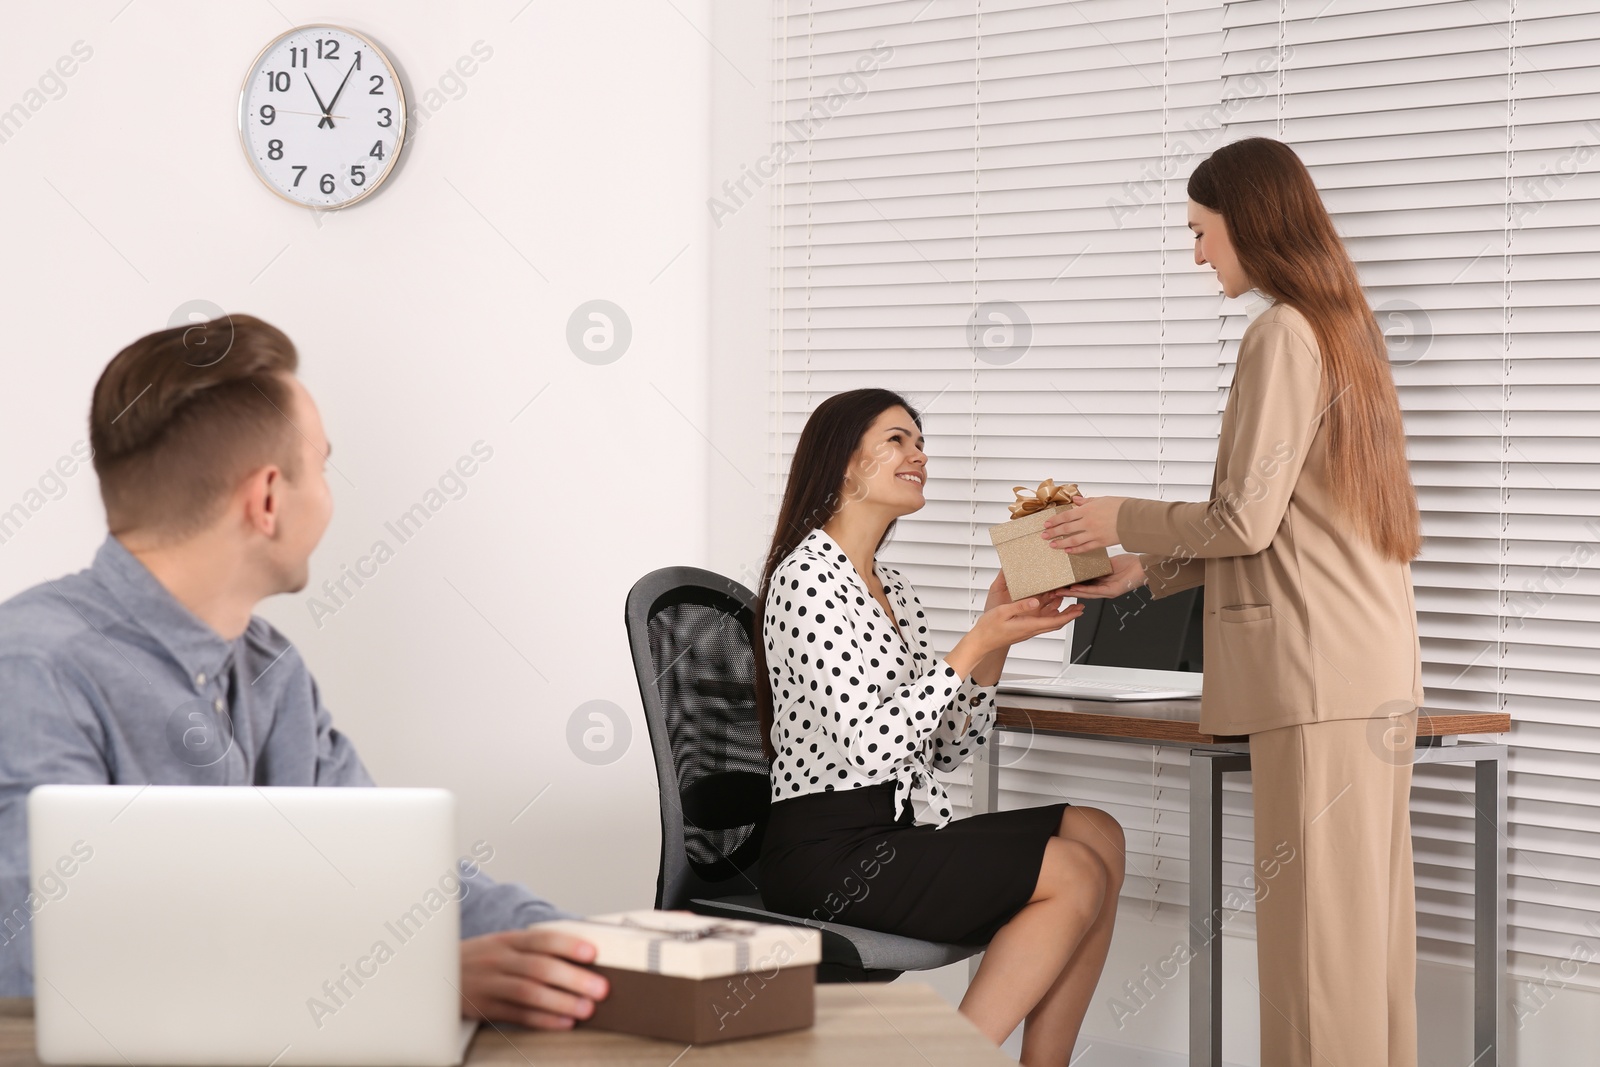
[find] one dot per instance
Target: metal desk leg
(1205, 901)
(1490, 1008)
(1489, 909)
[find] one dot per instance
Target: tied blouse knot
(854, 702)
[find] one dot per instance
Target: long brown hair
(812, 496)
(1288, 248)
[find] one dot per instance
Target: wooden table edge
(912, 1012)
(1052, 720)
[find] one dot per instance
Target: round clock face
(322, 117)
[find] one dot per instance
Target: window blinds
(982, 204)
(1450, 142)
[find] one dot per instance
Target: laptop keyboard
(1097, 689)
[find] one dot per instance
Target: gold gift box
(1030, 563)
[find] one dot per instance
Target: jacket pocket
(1245, 613)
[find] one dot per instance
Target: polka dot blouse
(854, 703)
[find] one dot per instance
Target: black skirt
(844, 856)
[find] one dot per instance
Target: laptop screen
(1137, 630)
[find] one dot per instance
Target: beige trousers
(1336, 920)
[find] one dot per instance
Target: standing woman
(857, 710)
(1310, 630)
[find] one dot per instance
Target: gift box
(691, 978)
(1030, 563)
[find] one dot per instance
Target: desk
(1177, 723)
(902, 1024)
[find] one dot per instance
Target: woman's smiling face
(1213, 245)
(889, 468)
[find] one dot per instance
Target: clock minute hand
(325, 107)
(327, 110)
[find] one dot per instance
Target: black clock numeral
(297, 57)
(332, 52)
(377, 86)
(326, 184)
(274, 149)
(357, 64)
(269, 114)
(377, 150)
(278, 81)
(358, 174)
(388, 116)
(299, 172)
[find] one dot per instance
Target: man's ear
(263, 499)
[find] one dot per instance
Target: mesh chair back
(690, 632)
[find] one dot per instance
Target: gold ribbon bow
(1048, 495)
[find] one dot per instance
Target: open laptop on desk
(1133, 647)
(234, 925)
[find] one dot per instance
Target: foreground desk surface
(903, 1023)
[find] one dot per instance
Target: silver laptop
(230, 925)
(1128, 648)
(1080, 681)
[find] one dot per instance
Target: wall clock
(322, 116)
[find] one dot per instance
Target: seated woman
(857, 710)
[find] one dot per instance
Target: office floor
(951, 983)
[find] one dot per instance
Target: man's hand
(523, 977)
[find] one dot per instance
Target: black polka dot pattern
(854, 702)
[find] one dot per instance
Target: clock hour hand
(325, 107)
(328, 110)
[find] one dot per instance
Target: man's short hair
(181, 415)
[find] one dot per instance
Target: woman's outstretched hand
(1127, 574)
(1090, 525)
(999, 592)
(1017, 620)
(1003, 623)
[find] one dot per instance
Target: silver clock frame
(400, 96)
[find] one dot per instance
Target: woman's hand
(1091, 524)
(981, 653)
(980, 645)
(1127, 574)
(999, 593)
(1006, 624)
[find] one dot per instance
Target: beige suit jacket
(1305, 621)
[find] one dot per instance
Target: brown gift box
(1030, 564)
(682, 977)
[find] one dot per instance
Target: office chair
(690, 632)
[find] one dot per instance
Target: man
(149, 667)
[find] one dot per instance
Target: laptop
(1131, 647)
(233, 925)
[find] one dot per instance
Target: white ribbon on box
(687, 945)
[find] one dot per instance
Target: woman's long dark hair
(812, 497)
(1288, 248)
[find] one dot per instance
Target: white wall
(743, 475)
(581, 147)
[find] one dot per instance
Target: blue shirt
(106, 678)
